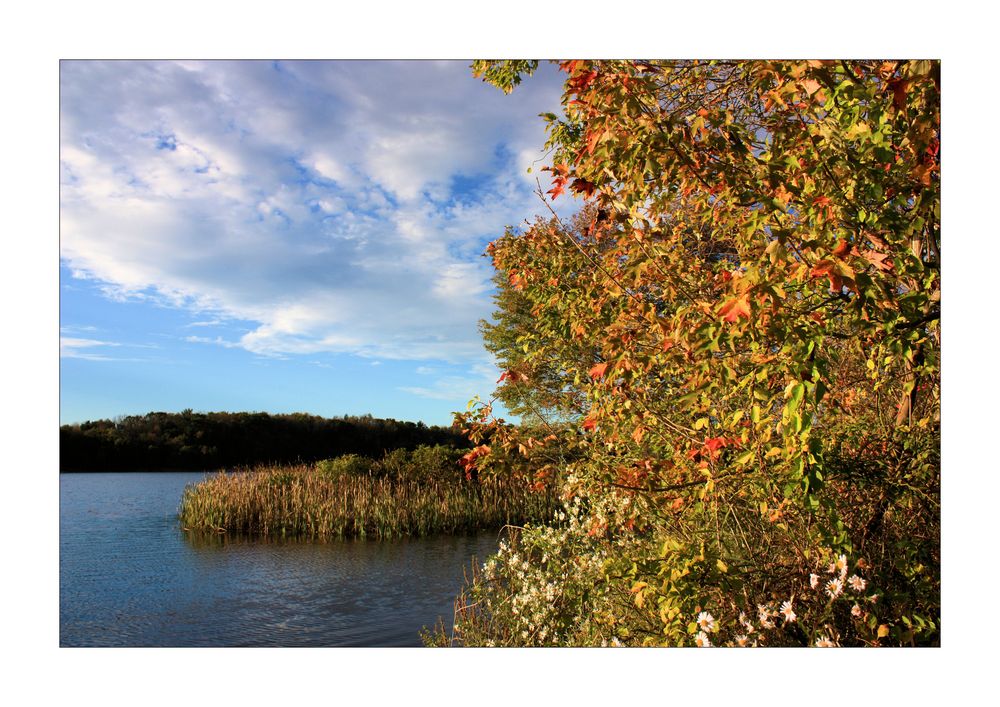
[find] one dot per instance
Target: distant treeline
(190, 440)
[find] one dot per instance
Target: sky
(286, 236)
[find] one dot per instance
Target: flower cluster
(808, 615)
(546, 585)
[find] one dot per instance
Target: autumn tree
(753, 306)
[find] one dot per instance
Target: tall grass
(308, 501)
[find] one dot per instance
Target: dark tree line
(190, 440)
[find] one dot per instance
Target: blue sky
(285, 236)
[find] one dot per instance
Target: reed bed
(303, 501)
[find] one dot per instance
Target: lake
(129, 576)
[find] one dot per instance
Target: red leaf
(714, 444)
(898, 88)
(735, 308)
(583, 186)
(839, 274)
(598, 370)
(842, 248)
(589, 424)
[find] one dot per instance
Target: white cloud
(210, 322)
(73, 347)
(479, 379)
(341, 206)
(218, 341)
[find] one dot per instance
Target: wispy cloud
(338, 206)
(210, 322)
(93, 349)
(218, 341)
(479, 379)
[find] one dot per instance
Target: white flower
(856, 610)
(764, 613)
(706, 622)
(814, 580)
(840, 566)
(701, 640)
(824, 642)
(857, 584)
(835, 587)
(741, 641)
(787, 613)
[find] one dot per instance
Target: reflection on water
(129, 576)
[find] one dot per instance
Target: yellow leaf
(883, 631)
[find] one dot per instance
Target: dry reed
(302, 501)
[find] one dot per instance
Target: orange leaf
(878, 260)
(810, 85)
(843, 246)
(839, 274)
(559, 186)
(598, 370)
(715, 443)
(735, 308)
(589, 424)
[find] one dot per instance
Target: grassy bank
(355, 497)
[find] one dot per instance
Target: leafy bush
(731, 358)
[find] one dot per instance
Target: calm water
(129, 576)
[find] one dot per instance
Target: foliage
(356, 497)
(747, 319)
(504, 74)
(190, 440)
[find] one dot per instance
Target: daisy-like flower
(856, 611)
(835, 587)
(764, 613)
(787, 613)
(706, 622)
(701, 640)
(839, 567)
(814, 580)
(824, 642)
(742, 641)
(857, 584)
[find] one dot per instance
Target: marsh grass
(309, 501)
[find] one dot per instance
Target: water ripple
(129, 576)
